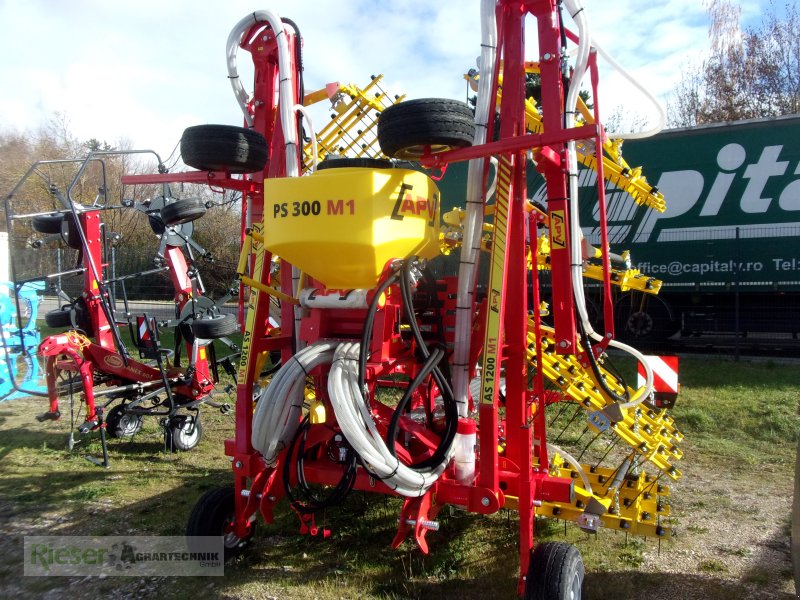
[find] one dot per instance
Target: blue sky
(144, 70)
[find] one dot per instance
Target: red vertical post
(265, 112)
(608, 302)
(515, 291)
(553, 164)
(92, 261)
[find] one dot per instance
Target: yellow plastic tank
(341, 226)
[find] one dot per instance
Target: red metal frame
(512, 468)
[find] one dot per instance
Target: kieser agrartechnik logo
(124, 555)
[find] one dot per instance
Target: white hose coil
(278, 411)
(356, 422)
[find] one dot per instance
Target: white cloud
(147, 69)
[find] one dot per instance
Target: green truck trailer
(728, 246)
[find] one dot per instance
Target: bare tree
(749, 73)
(137, 243)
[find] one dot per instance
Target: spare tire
(407, 129)
(47, 223)
(224, 148)
(71, 315)
(183, 211)
(59, 317)
(212, 328)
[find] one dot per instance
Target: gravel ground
(734, 535)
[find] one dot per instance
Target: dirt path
(734, 534)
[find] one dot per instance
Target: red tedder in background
(89, 358)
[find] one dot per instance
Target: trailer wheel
(215, 327)
(407, 129)
(119, 424)
(555, 573)
(47, 223)
(184, 433)
(183, 211)
(224, 148)
(643, 317)
(59, 317)
(213, 516)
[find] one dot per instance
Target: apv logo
(416, 206)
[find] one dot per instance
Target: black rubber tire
(556, 572)
(59, 317)
(406, 129)
(366, 163)
(224, 148)
(212, 516)
(643, 318)
(121, 425)
(183, 211)
(156, 224)
(215, 327)
(184, 433)
(47, 223)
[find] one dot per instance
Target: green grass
(744, 411)
(735, 415)
(713, 566)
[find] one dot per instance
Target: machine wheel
(643, 317)
(183, 211)
(341, 163)
(184, 433)
(555, 573)
(224, 148)
(122, 425)
(47, 223)
(406, 129)
(215, 327)
(59, 317)
(213, 515)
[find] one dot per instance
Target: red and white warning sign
(665, 374)
(144, 331)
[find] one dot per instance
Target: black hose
(366, 334)
(587, 349)
(448, 398)
(430, 366)
(298, 56)
(430, 282)
(391, 435)
(309, 503)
